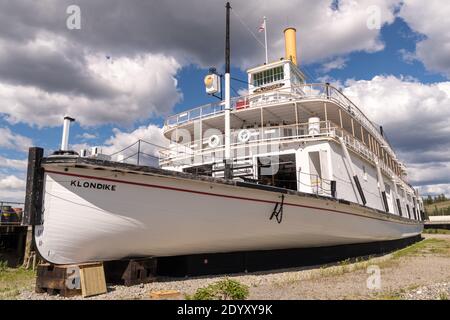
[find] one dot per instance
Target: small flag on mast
(262, 27)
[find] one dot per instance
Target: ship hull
(109, 214)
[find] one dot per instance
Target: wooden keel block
(93, 281)
(140, 271)
(165, 294)
(58, 279)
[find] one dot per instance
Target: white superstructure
(309, 134)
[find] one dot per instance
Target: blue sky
(363, 60)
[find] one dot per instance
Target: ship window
(203, 170)
(278, 171)
(315, 171)
(268, 76)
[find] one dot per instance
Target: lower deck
(320, 167)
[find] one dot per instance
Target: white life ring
(214, 141)
(244, 135)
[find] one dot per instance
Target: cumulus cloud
(48, 71)
(430, 18)
(11, 182)
(416, 118)
(87, 136)
(121, 139)
(12, 188)
(337, 63)
(124, 145)
(192, 28)
(15, 164)
(435, 189)
(140, 86)
(14, 141)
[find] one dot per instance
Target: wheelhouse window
(268, 76)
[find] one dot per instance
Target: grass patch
(222, 290)
(3, 266)
(13, 281)
(436, 231)
(443, 296)
(390, 295)
(427, 246)
(343, 267)
(422, 248)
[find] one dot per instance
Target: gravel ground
(420, 273)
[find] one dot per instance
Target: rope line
(248, 28)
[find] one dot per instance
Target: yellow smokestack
(290, 44)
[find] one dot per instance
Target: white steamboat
(299, 166)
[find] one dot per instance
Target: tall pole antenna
(227, 171)
(265, 39)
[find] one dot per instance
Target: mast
(227, 172)
(265, 38)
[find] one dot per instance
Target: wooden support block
(62, 279)
(93, 281)
(140, 271)
(165, 294)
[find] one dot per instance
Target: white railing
(297, 93)
(194, 151)
(200, 152)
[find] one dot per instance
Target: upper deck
(283, 107)
(278, 112)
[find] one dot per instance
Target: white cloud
(337, 83)
(120, 139)
(87, 136)
(11, 182)
(430, 173)
(435, 189)
(14, 141)
(416, 119)
(401, 101)
(323, 32)
(13, 163)
(192, 28)
(431, 19)
(12, 188)
(46, 71)
(149, 151)
(125, 143)
(407, 56)
(337, 63)
(142, 86)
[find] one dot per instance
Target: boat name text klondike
(93, 185)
